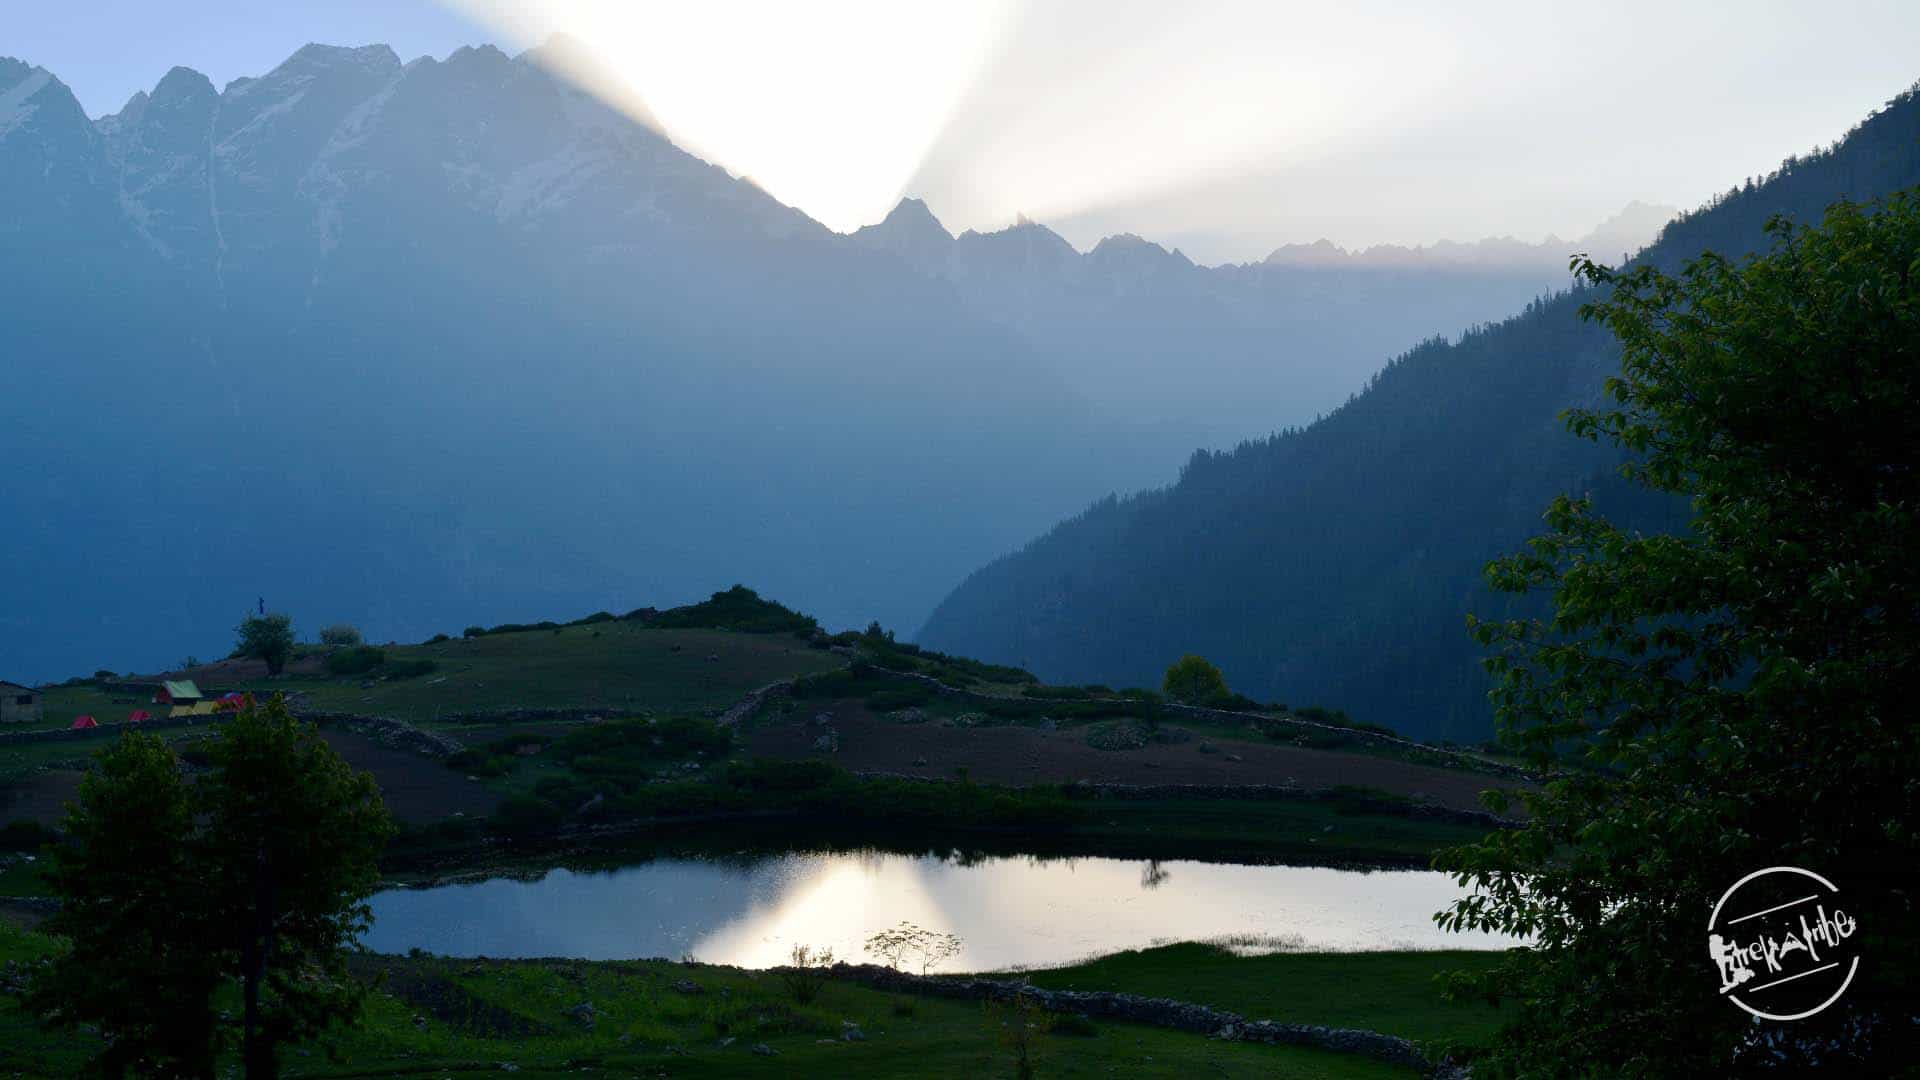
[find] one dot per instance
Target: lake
(1009, 912)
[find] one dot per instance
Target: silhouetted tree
(266, 637)
(1740, 693)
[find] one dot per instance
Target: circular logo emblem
(1782, 943)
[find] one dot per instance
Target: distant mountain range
(420, 344)
(1335, 564)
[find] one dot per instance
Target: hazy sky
(1225, 128)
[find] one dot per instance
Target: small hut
(18, 704)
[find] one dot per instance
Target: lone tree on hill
(1737, 697)
(265, 637)
(1192, 680)
(255, 875)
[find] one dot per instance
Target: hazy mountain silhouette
(1335, 564)
(421, 344)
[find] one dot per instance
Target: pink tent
(139, 716)
(84, 722)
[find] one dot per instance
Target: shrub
(524, 814)
(340, 634)
(438, 639)
(1191, 680)
(356, 660)
(808, 974)
(474, 632)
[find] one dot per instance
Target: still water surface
(1009, 911)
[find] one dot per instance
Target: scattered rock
(1326, 828)
(724, 1043)
(972, 719)
(1235, 757)
(822, 719)
(764, 1050)
(850, 1032)
(827, 744)
(508, 1066)
(920, 762)
(688, 986)
(419, 1022)
(1117, 735)
(1206, 747)
(908, 716)
(1047, 723)
(585, 1014)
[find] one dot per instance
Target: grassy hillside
(1392, 992)
(619, 666)
(443, 1018)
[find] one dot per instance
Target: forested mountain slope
(1335, 564)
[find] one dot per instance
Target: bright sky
(1225, 127)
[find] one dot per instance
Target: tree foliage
(265, 637)
(137, 964)
(1736, 696)
(1192, 680)
(255, 874)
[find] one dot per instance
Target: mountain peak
(912, 232)
(315, 57)
(182, 83)
(912, 213)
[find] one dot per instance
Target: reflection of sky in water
(1008, 911)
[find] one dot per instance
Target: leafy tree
(906, 940)
(266, 637)
(340, 634)
(138, 963)
(1191, 680)
(292, 842)
(1731, 698)
(255, 874)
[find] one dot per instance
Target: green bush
(357, 660)
(1191, 680)
(525, 814)
(340, 634)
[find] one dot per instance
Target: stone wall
(1156, 1012)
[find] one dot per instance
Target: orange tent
(84, 722)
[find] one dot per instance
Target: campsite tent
(139, 716)
(178, 692)
(84, 722)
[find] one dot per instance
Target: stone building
(18, 704)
